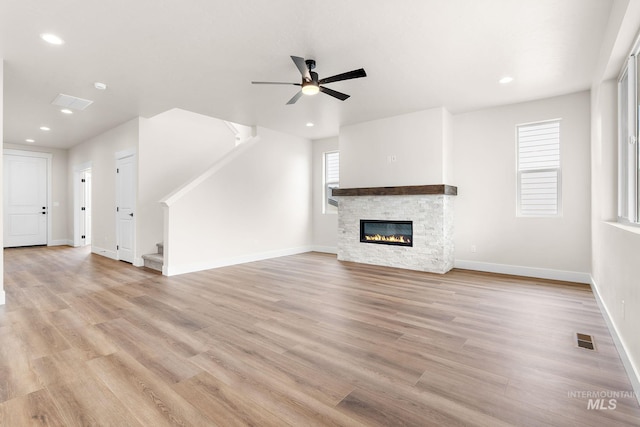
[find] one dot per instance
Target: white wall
(417, 142)
(615, 248)
(257, 206)
(60, 203)
(485, 155)
(174, 147)
(325, 225)
(1, 177)
(100, 151)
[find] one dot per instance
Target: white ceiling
(201, 55)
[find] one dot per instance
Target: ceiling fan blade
(341, 96)
(295, 98)
(302, 66)
(344, 76)
(275, 83)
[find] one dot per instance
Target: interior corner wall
(615, 248)
(325, 225)
(488, 235)
(448, 174)
(1, 178)
(174, 147)
(256, 207)
(100, 151)
(395, 151)
(60, 202)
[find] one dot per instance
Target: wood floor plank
(17, 377)
(223, 404)
(34, 409)
(297, 340)
(150, 350)
(151, 400)
(85, 400)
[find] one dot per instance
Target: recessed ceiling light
(505, 80)
(30, 141)
(310, 125)
(51, 38)
(45, 128)
(66, 111)
(100, 86)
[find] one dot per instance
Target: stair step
(160, 247)
(153, 261)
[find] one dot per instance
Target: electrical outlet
(473, 249)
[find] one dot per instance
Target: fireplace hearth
(399, 233)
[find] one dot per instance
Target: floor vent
(585, 341)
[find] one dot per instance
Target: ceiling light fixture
(30, 141)
(45, 128)
(100, 86)
(51, 39)
(66, 111)
(310, 88)
(310, 125)
(505, 80)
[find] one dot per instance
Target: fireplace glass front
(399, 233)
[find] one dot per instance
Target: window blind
(332, 167)
(539, 168)
(331, 180)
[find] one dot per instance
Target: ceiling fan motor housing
(311, 64)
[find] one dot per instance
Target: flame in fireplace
(393, 238)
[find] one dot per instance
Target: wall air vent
(73, 102)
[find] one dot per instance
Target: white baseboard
(138, 262)
(60, 242)
(325, 249)
(517, 270)
(632, 372)
(104, 252)
(224, 262)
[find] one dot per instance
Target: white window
(628, 163)
(331, 180)
(538, 157)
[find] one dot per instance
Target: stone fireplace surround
(430, 207)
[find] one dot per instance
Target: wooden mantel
(406, 190)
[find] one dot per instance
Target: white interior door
(25, 200)
(125, 210)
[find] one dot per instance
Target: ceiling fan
(310, 84)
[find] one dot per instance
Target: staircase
(155, 261)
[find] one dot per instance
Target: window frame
(628, 211)
(520, 172)
(326, 207)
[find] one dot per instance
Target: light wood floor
(300, 340)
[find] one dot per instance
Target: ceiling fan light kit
(309, 88)
(311, 85)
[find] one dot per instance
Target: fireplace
(428, 209)
(399, 233)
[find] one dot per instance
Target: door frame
(77, 188)
(119, 155)
(50, 204)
